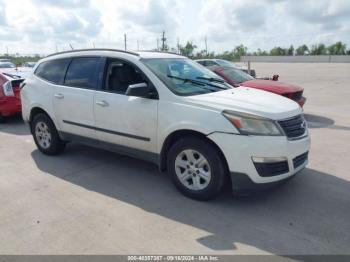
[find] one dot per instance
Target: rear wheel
(196, 167)
(45, 135)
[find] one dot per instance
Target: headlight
(253, 125)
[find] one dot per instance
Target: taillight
(7, 88)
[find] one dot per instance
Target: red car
(10, 101)
(237, 77)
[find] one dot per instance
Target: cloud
(63, 3)
(154, 17)
(2, 14)
(38, 25)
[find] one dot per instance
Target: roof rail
(93, 49)
(164, 52)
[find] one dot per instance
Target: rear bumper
(10, 106)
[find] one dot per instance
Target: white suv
(169, 110)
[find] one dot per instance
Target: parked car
(169, 110)
(10, 102)
(7, 65)
(236, 77)
(225, 63)
(29, 64)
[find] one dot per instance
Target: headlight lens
(253, 125)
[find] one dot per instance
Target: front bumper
(239, 151)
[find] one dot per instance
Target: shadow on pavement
(308, 215)
(15, 125)
(315, 121)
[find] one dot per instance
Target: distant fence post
(249, 67)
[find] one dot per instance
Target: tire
(2, 119)
(45, 135)
(202, 182)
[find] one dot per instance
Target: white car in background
(169, 110)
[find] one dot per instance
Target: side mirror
(139, 90)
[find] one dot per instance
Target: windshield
(227, 63)
(237, 75)
(6, 65)
(185, 77)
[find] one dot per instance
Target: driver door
(126, 121)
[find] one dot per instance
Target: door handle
(59, 96)
(102, 103)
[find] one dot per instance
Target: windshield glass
(227, 63)
(185, 77)
(7, 65)
(237, 75)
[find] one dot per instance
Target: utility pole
(163, 41)
(71, 47)
(125, 42)
(157, 44)
(7, 50)
(206, 46)
(93, 44)
(56, 48)
(138, 47)
(178, 45)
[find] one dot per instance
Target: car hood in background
(248, 100)
(272, 86)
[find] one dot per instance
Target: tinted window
(210, 63)
(82, 72)
(53, 71)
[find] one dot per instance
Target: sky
(47, 26)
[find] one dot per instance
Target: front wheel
(46, 136)
(197, 168)
(2, 119)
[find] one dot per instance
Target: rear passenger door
(73, 101)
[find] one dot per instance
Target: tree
(302, 50)
(239, 51)
(337, 49)
(290, 50)
(188, 49)
(318, 49)
(278, 51)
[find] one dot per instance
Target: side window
(119, 75)
(53, 71)
(82, 72)
(210, 63)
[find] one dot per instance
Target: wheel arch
(179, 134)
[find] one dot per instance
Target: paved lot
(90, 201)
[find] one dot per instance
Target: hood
(248, 100)
(272, 86)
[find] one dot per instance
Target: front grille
(294, 127)
(272, 169)
(297, 95)
(299, 160)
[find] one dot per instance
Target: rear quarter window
(82, 72)
(53, 71)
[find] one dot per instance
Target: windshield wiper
(211, 79)
(201, 83)
(187, 80)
